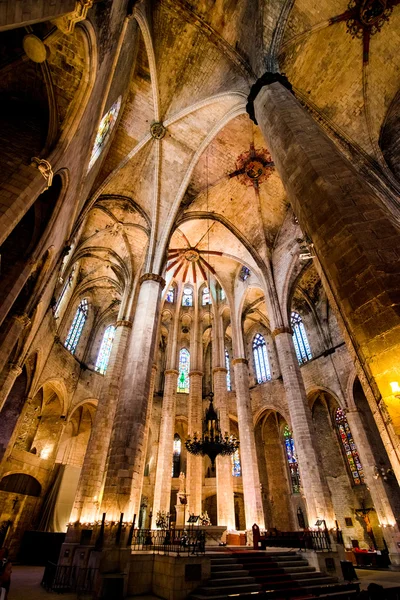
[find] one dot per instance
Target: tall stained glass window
(349, 447)
(170, 295)
(206, 296)
(292, 460)
(228, 371)
(103, 133)
(236, 466)
(187, 298)
(222, 294)
(66, 285)
(176, 456)
(77, 326)
(105, 350)
(263, 371)
(184, 368)
(301, 345)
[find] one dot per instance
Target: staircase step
(230, 574)
(224, 561)
(207, 590)
(229, 582)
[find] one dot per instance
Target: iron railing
(65, 578)
(316, 540)
(166, 541)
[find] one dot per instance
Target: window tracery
(105, 350)
(104, 131)
(184, 368)
(76, 328)
(263, 372)
(300, 340)
(349, 447)
(292, 460)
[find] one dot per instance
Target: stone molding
(152, 277)
(23, 319)
(280, 330)
(67, 23)
(240, 361)
(171, 372)
(267, 79)
(124, 323)
(15, 369)
(200, 373)
(158, 130)
(219, 370)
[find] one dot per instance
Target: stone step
(208, 590)
(229, 582)
(267, 584)
(224, 561)
(230, 574)
(295, 595)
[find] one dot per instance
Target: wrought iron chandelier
(212, 443)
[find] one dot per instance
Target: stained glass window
(301, 345)
(292, 460)
(349, 447)
(187, 298)
(263, 371)
(184, 368)
(103, 133)
(206, 296)
(170, 295)
(77, 325)
(66, 285)
(105, 350)
(236, 467)
(176, 456)
(228, 371)
(222, 294)
(244, 273)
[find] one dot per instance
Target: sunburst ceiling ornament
(253, 167)
(192, 260)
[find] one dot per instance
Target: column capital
(219, 370)
(261, 82)
(15, 369)
(124, 323)
(152, 277)
(280, 330)
(23, 319)
(200, 373)
(240, 361)
(171, 372)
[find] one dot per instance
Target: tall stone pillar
(250, 476)
(12, 334)
(7, 380)
(88, 496)
(194, 468)
(316, 491)
(386, 499)
(124, 476)
(225, 497)
(162, 487)
(354, 236)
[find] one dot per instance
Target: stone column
(225, 497)
(354, 236)
(316, 491)
(7, 380)
(12, 334)
(386, 500)
(124, 476)
(162, 487)
(194, 468)
(248, 455)
(88, 496)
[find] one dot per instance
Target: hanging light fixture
(212, 443)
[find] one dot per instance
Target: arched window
(104, 131)
(105, 350)
(187, 298)
(301, 345)
(292, 460)
(228, 371)
(77, 325)
(170, 295)
(206, 296)
(66, 285)
(222, 294)
(261, 359)
(176, 456)
(349, 447)
(184, 368)
(236, 467)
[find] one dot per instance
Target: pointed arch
(261, 363)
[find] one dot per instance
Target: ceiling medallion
(192, 255)
(368, 14)
(253, 167)
(157, 130)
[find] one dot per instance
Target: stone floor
(25, 583)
